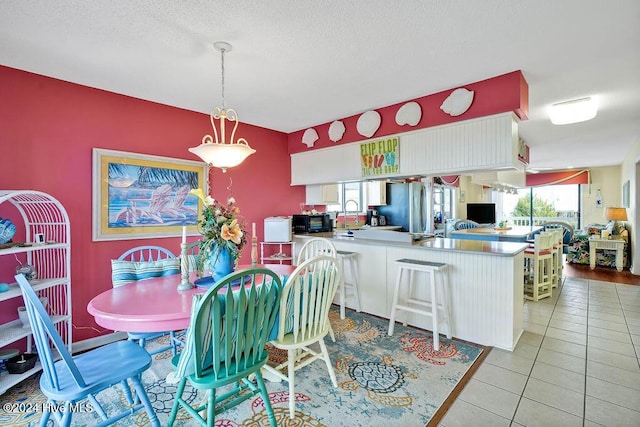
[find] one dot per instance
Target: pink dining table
(153, 305)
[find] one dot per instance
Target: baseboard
(88, 344)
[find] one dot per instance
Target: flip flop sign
(380, 157)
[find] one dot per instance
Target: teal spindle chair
(143, 262)
(72, 379)
(225, 344)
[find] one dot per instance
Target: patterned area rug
(382, 381)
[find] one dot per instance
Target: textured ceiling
(299, 63)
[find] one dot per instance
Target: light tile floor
(575, 365)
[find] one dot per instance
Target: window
(442, 204)
(350, 198)
(537, 205)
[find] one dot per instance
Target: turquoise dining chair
(225, 343)
(143, 262)
(74, 378)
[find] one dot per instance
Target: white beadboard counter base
(485, 280)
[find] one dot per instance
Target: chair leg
(331, 333)
(144, 399)
(45, 418)
(172, 341)
(176, 402)
(392, 318)
(211, 406)
(127, 392)
(98, 407)
(265, 398)
(327, 360)
(291, 355)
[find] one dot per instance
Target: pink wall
(48, 130)
(508, 92)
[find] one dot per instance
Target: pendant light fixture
(215, 150)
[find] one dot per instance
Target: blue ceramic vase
(222, 262)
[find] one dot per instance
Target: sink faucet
(346, 212)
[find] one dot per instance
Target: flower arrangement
(220, 228)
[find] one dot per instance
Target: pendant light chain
(224, 106)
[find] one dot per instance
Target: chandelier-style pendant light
(215, 150)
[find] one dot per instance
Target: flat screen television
(482, 213)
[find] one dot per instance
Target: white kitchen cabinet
(41, 214)
(324, 194)
(483, 143)
(377, 193)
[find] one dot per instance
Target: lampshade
(616, 214)
(574, 111)
(215, 150)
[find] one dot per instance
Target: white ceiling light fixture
(574, 111)
(215, 150)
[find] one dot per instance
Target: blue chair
(193, 249)
(72, 379)
(140, 263)
(465, 224)
(226, 341)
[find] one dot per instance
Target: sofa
(578, 251)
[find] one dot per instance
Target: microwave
(311, 223)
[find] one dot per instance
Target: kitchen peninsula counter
(485, 281)
(509, 234)
(459, 245)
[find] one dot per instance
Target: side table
(611, 244)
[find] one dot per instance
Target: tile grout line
(586, 355)
(560, 287)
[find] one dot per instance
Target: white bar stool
(435, 304)
(350, 258)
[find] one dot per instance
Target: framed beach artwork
(139, 196)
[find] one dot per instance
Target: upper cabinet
(487, 143)
(376, 193)
(327, 165)
(326, 194)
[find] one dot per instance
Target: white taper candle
(184, 234)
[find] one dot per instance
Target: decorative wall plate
(409, 114)
(458, 102)
(368, 123)
(309, 137)
(336, 131)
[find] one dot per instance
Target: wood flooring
(605, 274)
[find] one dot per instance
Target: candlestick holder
(254, 250)
(184, 268)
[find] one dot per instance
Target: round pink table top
(153, 305)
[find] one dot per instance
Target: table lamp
(615, 214)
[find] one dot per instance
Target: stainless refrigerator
(418, 208)
(408, 206)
